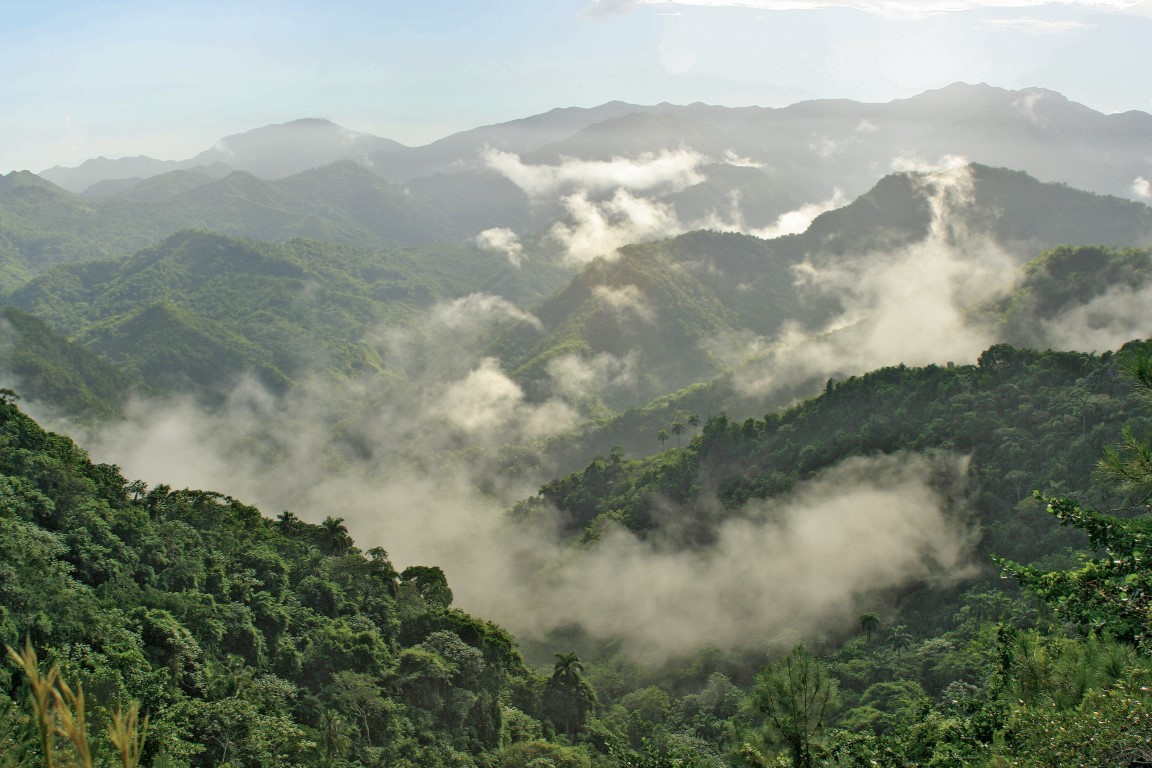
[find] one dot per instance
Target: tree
(796, 694)
(662, 437)
(899, 639)
(335, 538)
(567, 669)
(1110, 593)
(693, 421)
(677, 429)
(869, 623)
(567, 697)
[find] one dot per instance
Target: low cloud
(1142, 187)
(731, 158)
(1029, 25)
(487, 402)
(477, 310)
(575, 377)
(904, 306)
(666, 170)
(609, 204)
(792, 565)
(626, 300)
(501, 240)
(599, 227)
(886, 8)
(1105, 323)
(797, 221)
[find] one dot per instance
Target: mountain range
(665, 390)
(832, 142)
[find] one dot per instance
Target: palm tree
(567, 669)
(899, 638)
(568, 698)
(693, 421)
(677, 429)
(334, 536)
(869, 623)
(662, 436)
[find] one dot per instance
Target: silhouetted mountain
(285, 149)
(270, 152)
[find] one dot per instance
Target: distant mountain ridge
(270, 152)
(809, 146)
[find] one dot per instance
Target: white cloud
(731, 158)
(1142, 187)
(792, 565)
(797, 221)
(598, 228)
(626, 300)
(887, 8)
(501, 240)
(1033, 26)
(486, 400)
(667, 170)
(477, 310)
(903, 306)
(1106, 322)
(575, 377)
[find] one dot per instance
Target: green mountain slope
(1028, 420)
(46, 368)
(44, 224)
(246, 640)
(200, 309)
(687, 308)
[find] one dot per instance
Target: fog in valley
(415, 461)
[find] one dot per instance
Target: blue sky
(80, 79)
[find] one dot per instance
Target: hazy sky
(82, 78)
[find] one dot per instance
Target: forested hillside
(606, 438)
(199, 310)
(255, 641)
(247, 640)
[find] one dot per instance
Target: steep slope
(200, 309)
(643, 324)
(45, 368)
(686, 309)
(219, 620)
(1028, 420)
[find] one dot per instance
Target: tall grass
(60, 718)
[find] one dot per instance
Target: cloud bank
(611, 203)
(885, 8)
(412, 463)
(903, 306)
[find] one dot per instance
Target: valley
(565, 441)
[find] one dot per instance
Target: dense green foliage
(249, 641)
(681, 311)
(199, 309)
(343, 202)
(252, 641)
(47, 368)
(1028, 420)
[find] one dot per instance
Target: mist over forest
(573, 440)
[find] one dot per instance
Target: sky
(85, 78)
